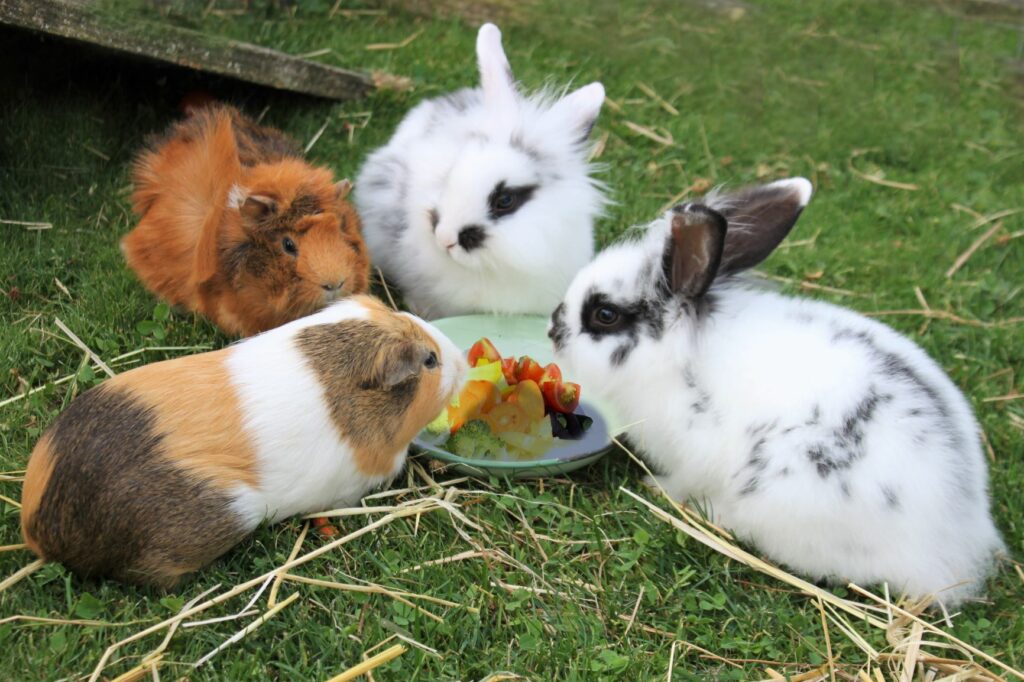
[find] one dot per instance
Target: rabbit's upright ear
(759, 219)
(579, 109)
(495, 73)
(693, 250)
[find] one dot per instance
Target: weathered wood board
(183, 47)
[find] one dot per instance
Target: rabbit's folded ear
(579, 109)
(495, 72)
(759, 219)
(693, 250)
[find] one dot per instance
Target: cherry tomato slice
(528, 368)
(561, 397)
(551, 373)
(483, 349)
(508, 368)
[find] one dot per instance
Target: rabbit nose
(472, 237)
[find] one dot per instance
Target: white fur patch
(304, 464)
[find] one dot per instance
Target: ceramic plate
(525, 335)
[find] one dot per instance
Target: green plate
(524, 335)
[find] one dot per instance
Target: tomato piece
(508, 368)
(551, 373)
(527, 395)
(507, 417)
(561, 396)
(528, 368)
(483, 350)
(476, 398)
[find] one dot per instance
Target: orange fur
(377, 460)
(202, 244)
(40, 466)
(204, 432)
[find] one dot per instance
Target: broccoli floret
(474, 440)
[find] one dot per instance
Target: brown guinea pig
(158, 471)
(237, 227)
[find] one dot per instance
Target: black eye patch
(504, 200)
(601, 317)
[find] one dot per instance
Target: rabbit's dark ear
(693, 250)
(759, 219)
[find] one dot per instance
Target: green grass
(788, 88)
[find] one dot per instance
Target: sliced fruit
(508, 368)
(527, 395)
(528, 368)
(489, 371)
(476, 396)
(526, 444)
(507, 417)
(483, 350)
(551, 373)
(561, 396)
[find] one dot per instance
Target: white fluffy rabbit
(828, 440)
(482, 200)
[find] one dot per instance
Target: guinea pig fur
(236, 226)
(160, 470)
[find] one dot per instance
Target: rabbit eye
(505, 200)
(289, 246)
(605, 316)
(431, 361)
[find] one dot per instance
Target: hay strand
(21, 574)
(369, 664)
(270, 613)
(88, 351)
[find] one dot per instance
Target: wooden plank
(184, 47)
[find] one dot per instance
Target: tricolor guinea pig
(160, 470)
(236, 226)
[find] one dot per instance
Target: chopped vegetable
(507, 417)
(527, 395)
(476, 398)
(528, 368)
(509, 406)
(483, 350)
(569, 426)
(475, 440)
(562, 397)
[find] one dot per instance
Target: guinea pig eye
(431, 361)
(289, 246)
(605, 316)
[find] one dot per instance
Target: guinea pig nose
(472, 237)
(332, 286)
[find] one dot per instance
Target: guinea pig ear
(759, 219)
(495, 72)
(579, 110)
(397, 362)
(342, 188)
(693, 250)
(257, 206)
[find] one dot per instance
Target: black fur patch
(892, 365)
(892, 501)
(847, 442)
(636, 319)
(115, 506)
(472, 237)
(519, 144)
(559, 331)
(519, 196)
